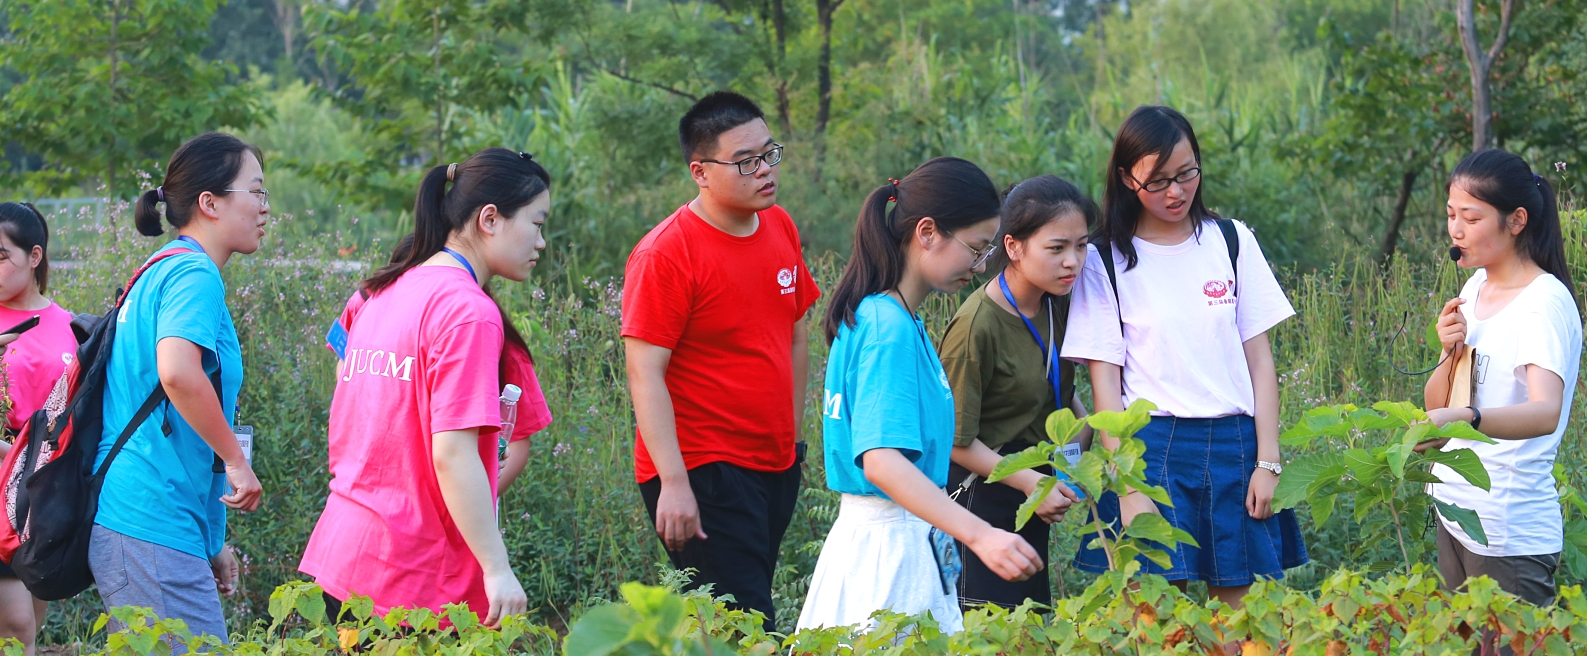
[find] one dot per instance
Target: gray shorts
(175, 585)
(1528, 577)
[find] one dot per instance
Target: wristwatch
(1274, 467)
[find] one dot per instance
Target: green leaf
(1063, 426)
(601, 631)
(312, 608)
(1395, 455)
(1014, 463)
(1303, 475)
(1431, 338)
(1365, 419)
(1322, 507)
(1124, 424)
(1152, 492)
(1153, 527)
(1464, 462)
(1467, 519)
(1088, 473)
(1404, 411)
(1460, 430)
(1028, 508)
(1366, 466)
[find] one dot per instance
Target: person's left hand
(1259, 494)
(224, 565)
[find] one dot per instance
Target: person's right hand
(506, 597)
(1452, 325)
(1134, 504)
(245, 488)
(1006, 554)
(1057, 504)
(5, 340)
(678, 516)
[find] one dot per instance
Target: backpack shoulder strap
(127, 289)
(1231, 237)
(1105, 251)
(155, 399)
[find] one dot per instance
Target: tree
(109, 87)
(417, 69)
(1480, 63)
(824, 11)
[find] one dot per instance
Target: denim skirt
(1206, 465)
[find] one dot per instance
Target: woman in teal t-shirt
(159, 537)
(888, 410)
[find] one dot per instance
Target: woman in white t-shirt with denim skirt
(1173, 306)
(1519, 312)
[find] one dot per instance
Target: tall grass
(574, 523)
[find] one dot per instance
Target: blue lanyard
(1053, 375)
(192, 241)
(464, 261)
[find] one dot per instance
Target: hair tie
(1537, 179)
(526, 156)
(451, 172)
(159, 192)
(893, 198)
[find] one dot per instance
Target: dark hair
(1149, 130)
(208, 162)
(493, 176)
(953, 192)
(710, 117)
(23, 224)
(1506, 182)
(1030, 205)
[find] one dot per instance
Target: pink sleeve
(534, 415)
(462, 380)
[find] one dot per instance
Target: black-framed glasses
(1160, 184)
(262, 194)
(981, 254)
(749, 165)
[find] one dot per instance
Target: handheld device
(23, 327)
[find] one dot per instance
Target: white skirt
(877, 556)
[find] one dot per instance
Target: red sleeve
(657, 297)
(534, 414)
(461, 398)
(808, 291)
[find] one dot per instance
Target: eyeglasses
(1160, 184)
(263, 195)
(749, 165)
(981, 255)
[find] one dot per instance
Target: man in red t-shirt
(714, 306)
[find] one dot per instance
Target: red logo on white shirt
(1215, 289)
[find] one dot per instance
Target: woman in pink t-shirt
(411, 519)
(34, 361)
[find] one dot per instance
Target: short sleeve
(534, 414)
(1093, 331)
(192, 304)
(336, 338)
(657, 298)
(886, 398)
(1261, 302)
(969, 370)
(1547, 333)
(808, 291)
(460, 397)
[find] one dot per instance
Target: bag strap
(1231, 239)
(155, 399)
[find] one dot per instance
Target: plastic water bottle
(509, 414)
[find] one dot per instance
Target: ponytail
(1505, 181)
(208, 162)
(953, 192)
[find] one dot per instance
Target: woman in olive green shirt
(1001, 357)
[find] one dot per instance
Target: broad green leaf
(1152, 492)
(1028, 508)
(1395, 455)
(312, 608)
(1162, 558)
(1467, 519)
(1014, 463)
(1063, 426)
(1151, 526)
(1404, 411)
(1460, 430)
(1464, 462)
(601, 631)
(1303, 475)
(1366, 466)
(1365, 419)
(1088, 473)
(1126, 423)
(1322, 507)
(1430, 338)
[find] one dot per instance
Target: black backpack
(48, 481)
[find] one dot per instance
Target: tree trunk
(824, 11)
(779, 21)
(440, 91)
(1392, 238)
(115, 24)
(286, 18)
(1480, 64)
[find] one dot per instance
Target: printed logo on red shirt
(785, 280)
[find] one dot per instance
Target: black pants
(997, 504)
(744, 514)
(1528, 577)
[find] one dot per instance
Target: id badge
(337, 340)
(946, 552)
(1072, 454)
(245, 440)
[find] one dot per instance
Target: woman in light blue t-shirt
(888, 410)
(159, 536)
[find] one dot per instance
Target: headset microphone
(1454, 253)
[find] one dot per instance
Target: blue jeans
(1205, 465)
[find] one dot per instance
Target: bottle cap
(511, 393)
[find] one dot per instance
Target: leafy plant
(1386, 479)
(1101, 470)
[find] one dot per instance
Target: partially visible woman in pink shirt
(411, 518)
(34, 362)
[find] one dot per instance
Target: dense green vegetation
(1328, 126)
